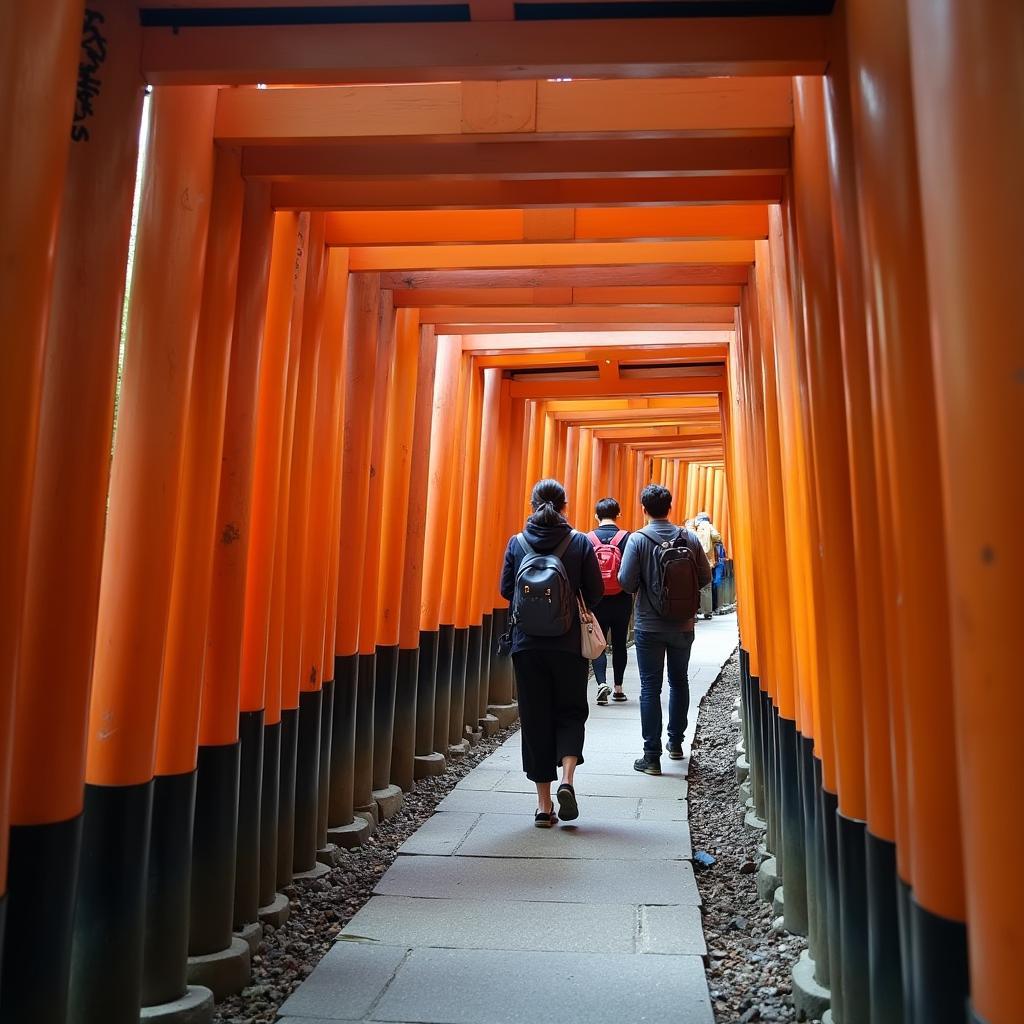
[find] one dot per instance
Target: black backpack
(543, 603)
(675, 588)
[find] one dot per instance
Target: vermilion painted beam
(705, 344)
(443, 110)
(397, 52)
(547, 254)
(681, 295)
(597, 387)
(402, 194)
(566, 315)
(657, 275)
(390, 227)
(627, 327)
(671, 158)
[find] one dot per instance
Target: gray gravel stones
(320, 908)
(750, 964)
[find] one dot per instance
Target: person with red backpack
(665, 566)
(616, 606)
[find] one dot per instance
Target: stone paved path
(484, 919)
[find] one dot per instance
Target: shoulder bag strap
(524, 544)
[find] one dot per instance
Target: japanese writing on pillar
(94, 53)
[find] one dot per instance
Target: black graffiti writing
(94, 54)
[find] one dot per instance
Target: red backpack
(609, 558)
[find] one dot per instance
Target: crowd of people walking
(572, 597)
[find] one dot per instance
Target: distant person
(665, 566)
(547, 567)
(617, 606)
(710, 540)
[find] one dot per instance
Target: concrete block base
(425, 765)
(473, 736)
(225, 972)
(329, 855)
(355, 833)
(458, 749)
(735, 718)
(742, 769)
(809, 998)
(779, 902)
(318, 870)
(767, 879)
(746, 800)
(276, 912)
(194, 1007)
(740, 748)
(827, 1017)
(371, 812)
(389, 802)
(252, 933)
(754, 823)
(506, 714)
(489, 724)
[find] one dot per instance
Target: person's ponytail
(548, 502)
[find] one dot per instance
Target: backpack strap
(653, 538)
(618, 538)
(563, 547)
(524, 544)
(594, 539)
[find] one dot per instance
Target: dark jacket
(580, 566)
(638, 568)
(614, 604)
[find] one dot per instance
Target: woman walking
(548, 568)
(615, 609)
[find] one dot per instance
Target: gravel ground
(750, 963)
(320, 909)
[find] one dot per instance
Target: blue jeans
(652, 650)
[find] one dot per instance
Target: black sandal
(619, 698)
(545, 819)
(568, 809)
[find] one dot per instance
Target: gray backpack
(543, 603)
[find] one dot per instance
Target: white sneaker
(603, 693)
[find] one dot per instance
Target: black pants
(553, 708)
(613, 616)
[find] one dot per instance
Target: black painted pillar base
(853, 920)
(755, 746)
(884, 958)
(774, 791)
(307, 781)
(286, 797)
(343, 738)
(443, 687)
(822, 961)
(324, 768)
(168, 889)
(214, 843)
(830, 808)
(362, 776)
(250, 798)
(907, 951)
(809, 804)
(40, 906)
(270, 793)
(426, 676)
(403, 747)
(384, 685)
(940, 980)
(795, 872)
(456, 716)
(109, 928)
(484, 689)
(471, 701)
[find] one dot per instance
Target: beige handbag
(593, 642)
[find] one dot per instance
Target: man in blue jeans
(659, 639)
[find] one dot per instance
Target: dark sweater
(614, 604)
(580, 566)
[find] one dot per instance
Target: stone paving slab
(671, 784)
(346, 983)
(672, 930)
(440, 834)
(481, 801)
(567, 881)
(484, 778)
(442, 986)
(475, 924)
(502, 835)
(601, 763)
